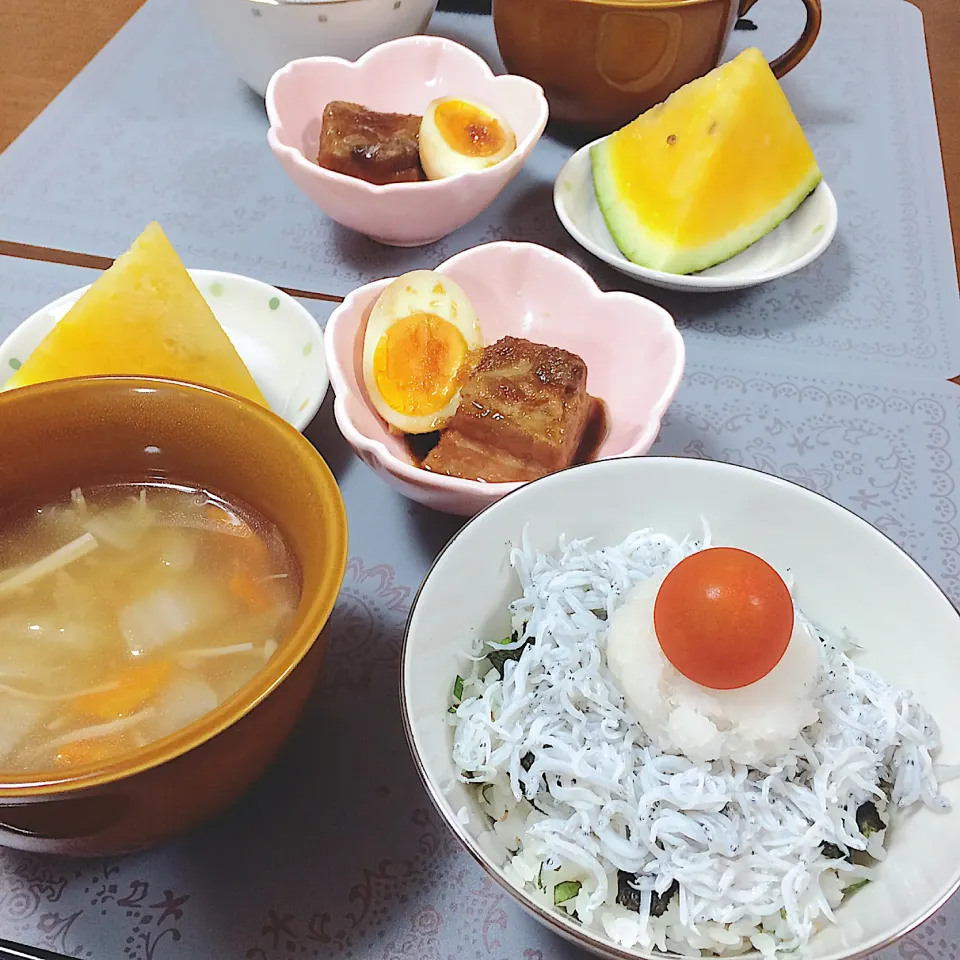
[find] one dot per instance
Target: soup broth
(127, 612)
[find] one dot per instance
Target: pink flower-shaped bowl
(632, 349)
(401, 76)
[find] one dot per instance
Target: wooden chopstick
(70, 258)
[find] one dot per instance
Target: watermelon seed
(672, 139)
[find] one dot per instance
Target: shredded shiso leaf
(499, 657)
(565, 891)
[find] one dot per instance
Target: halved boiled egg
(712, 661)
(457, 135)
(420, 346)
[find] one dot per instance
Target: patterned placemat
(337, 853)
(833, 378)
(131, 140)
(28, 285)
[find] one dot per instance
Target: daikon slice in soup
(128, 611)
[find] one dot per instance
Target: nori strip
(627, 896)
(660, 901)
(498, 658)
(832, 852)
(868, 819)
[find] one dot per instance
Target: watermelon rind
(644, 248)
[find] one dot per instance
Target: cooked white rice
(590, 809)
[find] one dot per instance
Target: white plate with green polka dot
(276, 337)
(798, 241)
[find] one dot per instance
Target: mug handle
(787, 61)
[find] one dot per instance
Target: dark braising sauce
(594, 433)
(420, 444)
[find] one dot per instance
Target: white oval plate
(276, 337)
(799, 240)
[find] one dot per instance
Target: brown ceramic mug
(602, 63)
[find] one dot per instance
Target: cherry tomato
(723, 617)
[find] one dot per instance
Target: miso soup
(127, 612)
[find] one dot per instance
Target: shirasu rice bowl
(652, 850)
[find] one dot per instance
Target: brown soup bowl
(100, 429)
(602, 63)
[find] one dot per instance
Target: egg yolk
(417, 364)
(468, 130)
(723, 618)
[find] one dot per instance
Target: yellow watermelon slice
(144, 316)
(711, 170)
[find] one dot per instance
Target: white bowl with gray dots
(277, 338)
(261, 36)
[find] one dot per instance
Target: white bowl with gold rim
(848, 576)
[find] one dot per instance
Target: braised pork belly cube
(522, 415)
(376, 147)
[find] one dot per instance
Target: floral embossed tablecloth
(834, 378)
(338, 853)
(130, 140)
